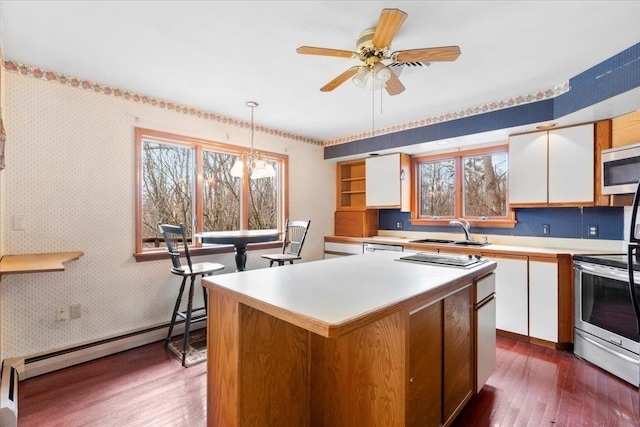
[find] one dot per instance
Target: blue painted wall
(570, 223)
(612, 77)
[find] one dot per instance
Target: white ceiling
(216, 55)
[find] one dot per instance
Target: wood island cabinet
(366, 351)
(440, 360)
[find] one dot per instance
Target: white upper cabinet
(552, 168)
(388, 182)
(571, 157)
(528, 168)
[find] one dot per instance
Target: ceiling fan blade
(430, 54)
(394, 86)
(388, 25)
(310, 50)
(340, 79)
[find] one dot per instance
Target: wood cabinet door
(424, 402)
(458, 353)
(571, 157)
(528, 168)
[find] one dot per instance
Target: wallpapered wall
(70, 172)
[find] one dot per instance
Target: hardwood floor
(537, 386)
(532, 386)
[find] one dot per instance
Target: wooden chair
(292, 241)
(175, 236)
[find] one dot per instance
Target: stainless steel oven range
(606, 332)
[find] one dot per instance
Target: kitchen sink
(449, 242)
(438, 241)
(470, 243)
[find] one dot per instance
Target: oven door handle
(605, 272)
(607, 349)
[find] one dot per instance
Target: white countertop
(505, 244)
(334, 292)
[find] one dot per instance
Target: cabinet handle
(411, 380)
(403, 175)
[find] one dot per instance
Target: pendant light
(257, 166)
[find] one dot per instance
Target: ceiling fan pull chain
(373, 108)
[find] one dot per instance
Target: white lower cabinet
(334, 250)
(543, 300)
(512, 313)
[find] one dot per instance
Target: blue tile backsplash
(573, 223)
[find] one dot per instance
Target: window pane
(167, 188)
(437, 188)
(221, 193)
(485, 185)
(263, 201)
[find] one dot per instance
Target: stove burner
(463, 261)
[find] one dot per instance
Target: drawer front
(485, 287)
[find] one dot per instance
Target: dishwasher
(374, 247)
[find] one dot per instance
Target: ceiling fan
(373, 47)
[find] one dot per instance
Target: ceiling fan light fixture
(381, 72)
(361, 78)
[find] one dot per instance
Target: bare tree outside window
(485, 185)
(437, 188)
(263, 202)
(221, 192)
(167, 192)
(188, 180)
(471, 185)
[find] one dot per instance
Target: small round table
(239, 239)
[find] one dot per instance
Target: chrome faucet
(465, 227)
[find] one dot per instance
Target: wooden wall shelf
(36, 263)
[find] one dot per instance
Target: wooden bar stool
(173, 235)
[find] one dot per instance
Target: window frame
(200, 145)
(507, 221)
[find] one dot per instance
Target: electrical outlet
(399, 225)
(18, 222)
(75, 311)
(593, 231)
(62, 313)
(546, 229)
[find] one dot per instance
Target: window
(187, 180)
(471, 185)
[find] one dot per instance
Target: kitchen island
(361, 340)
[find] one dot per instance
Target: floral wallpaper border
(466, 112)
(52, 76)
(39, 73)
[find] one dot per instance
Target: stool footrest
(196, 318)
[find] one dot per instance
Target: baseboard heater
(9, 394)
(18, 369)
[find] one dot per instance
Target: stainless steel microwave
(621, 169)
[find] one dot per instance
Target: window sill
(482, 223)
(161, 253)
